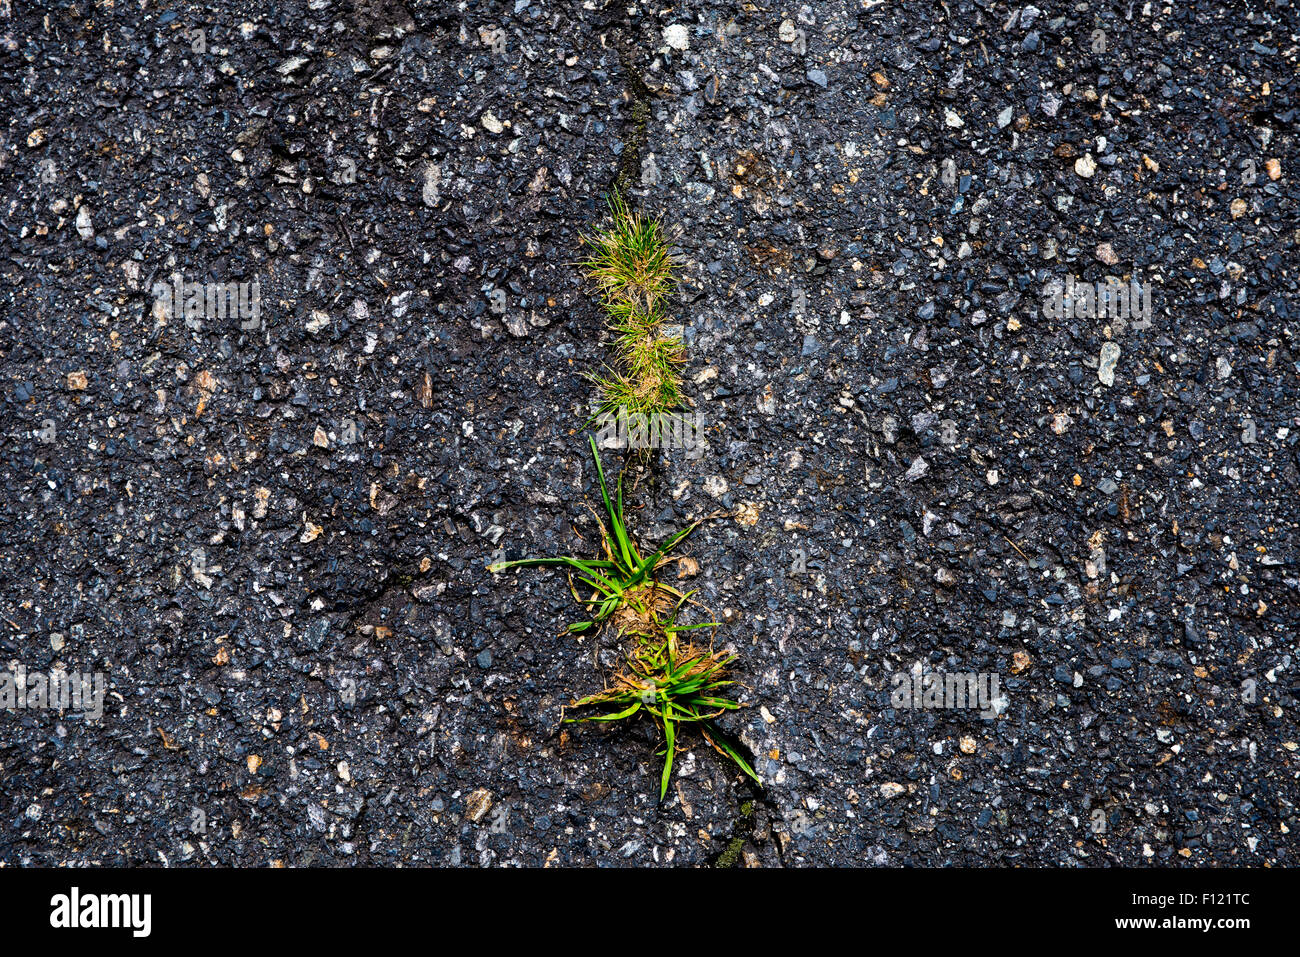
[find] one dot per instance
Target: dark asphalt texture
(271, 541)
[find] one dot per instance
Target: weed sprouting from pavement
(623, 579)
(630, 264)
(674, 685)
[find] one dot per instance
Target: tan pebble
(478, 804)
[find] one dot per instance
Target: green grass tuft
(675, 687)
(629, 260)
(624, 579)
(633, 269)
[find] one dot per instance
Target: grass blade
(615, 517)
(715, 738)
(668, 757)
(609, 717)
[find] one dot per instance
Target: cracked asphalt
(269, 532)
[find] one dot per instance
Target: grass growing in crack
(623, 581)
(630, 264)
(675, 686)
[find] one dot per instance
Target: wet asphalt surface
(271, 541)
